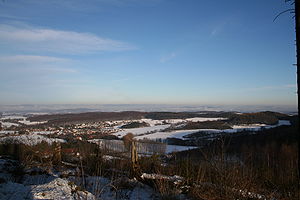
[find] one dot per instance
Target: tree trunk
(297, 25)
(134, 158)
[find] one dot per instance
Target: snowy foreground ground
(39, 184)
(36, 183)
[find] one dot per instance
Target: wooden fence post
(134, 157)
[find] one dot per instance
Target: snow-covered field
(174, 121)
(8, 124)
(155, 132)
(26, 122)
(19, 118)
(164, 135)
(142, 147)
(204, 119)
(257, 127)
(140, 131)
(176, 148)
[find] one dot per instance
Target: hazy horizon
(76, 108)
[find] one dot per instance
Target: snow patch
(26, 122)
(8, 124)
(7, 132)
(13, 117)
(141, 131)
(164, 135)
(204, 119)
(177, 148)
(30, 140)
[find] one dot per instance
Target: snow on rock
(43, 186)
(122, 188)
(59, 189)
(56, 189)
(48, 186)
(30, 140)
(175, 179)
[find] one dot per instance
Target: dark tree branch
(291, 10)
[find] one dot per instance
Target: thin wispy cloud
(86, 6)
(34, 39)
(60, 70)
(129, 2)
(35, 63)
(11, 17)
(217, 29)
(32, 64)
(278, 87)
(168, 57)
(120, 80)
(31, 59)
(224, 24)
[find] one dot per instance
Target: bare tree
(296, 11)
(297, 27)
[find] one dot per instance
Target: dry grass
(269, 170)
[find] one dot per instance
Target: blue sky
(146, 52)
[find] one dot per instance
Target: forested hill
(232, 118)
(267, 117)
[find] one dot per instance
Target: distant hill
(267, 117)
(233, 118)
(184, 115)
(126, 115)
(88, 117)
(206, 125)
(135, 125)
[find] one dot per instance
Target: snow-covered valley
(125, 159)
